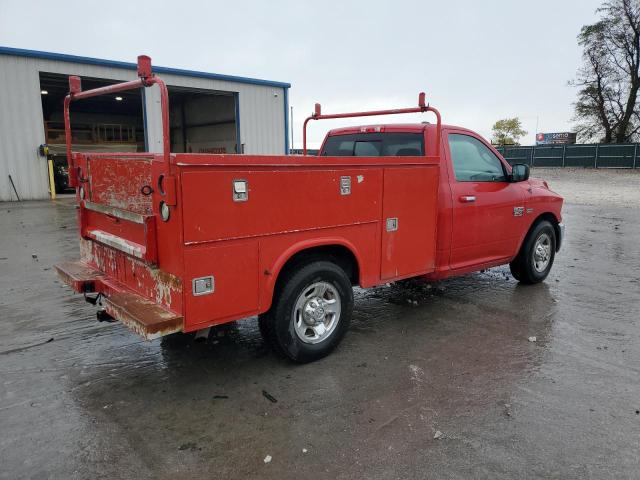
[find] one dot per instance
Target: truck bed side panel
(245, 271)
(243, 244)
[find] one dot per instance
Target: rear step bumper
(141, 315)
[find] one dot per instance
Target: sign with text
(559, 138)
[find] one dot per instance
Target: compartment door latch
(240, 190)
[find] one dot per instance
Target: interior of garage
(201, 121)
(99, 124)
(110, 123)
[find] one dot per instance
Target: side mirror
(519, 172)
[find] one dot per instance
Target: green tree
(609, 79)
(507, 131)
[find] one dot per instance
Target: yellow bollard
(52, 183)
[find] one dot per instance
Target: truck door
(487, 209)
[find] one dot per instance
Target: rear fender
(273, 274)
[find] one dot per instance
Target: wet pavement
(81, 399)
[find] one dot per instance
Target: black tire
(515, 269)
(524, 267)
(278, 325)
(263, 325)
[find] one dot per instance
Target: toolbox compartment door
(410, 202)
(234, 272)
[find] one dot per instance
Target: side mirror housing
(519, 172)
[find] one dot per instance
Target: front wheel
(535, 259)
(311, 312)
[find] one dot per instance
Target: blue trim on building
(286, 121)
(63, 57)
(236, 97)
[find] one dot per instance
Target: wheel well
(551, 218)
(338, 254)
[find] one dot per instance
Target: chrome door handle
(467, 198)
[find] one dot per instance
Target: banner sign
(559, 138)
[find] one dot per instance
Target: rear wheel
(311, 312)
(535, 259)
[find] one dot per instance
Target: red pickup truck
(180, 242)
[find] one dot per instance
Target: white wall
(21, 124)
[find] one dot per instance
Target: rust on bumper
(79, 276)
(143, 316)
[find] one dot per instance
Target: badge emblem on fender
(518, 211)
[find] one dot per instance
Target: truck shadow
(487, 297)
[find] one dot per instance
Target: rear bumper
(560, 238)
(141, 315)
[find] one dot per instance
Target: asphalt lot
(81, 399)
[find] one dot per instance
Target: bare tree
(609, 79)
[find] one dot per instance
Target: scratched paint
(117, 182)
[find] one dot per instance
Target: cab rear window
(374, 145)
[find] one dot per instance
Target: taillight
(164, 211)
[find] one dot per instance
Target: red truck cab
(484, 213)
(177, 242)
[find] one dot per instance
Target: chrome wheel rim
(542, 253)
(316, 312)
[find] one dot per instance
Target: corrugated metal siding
(21, 131)
(262, 122)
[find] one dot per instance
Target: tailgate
(119, 244)
(117, 208)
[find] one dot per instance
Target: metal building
(209, 112)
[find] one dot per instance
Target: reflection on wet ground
(80, 399)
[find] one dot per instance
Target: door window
(473, 161)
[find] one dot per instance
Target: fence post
(635, 155)
(595, 164)
(564, 154)
(533, 149)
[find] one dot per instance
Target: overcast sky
(478, 61)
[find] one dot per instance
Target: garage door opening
(110, 123)
(203, 121)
